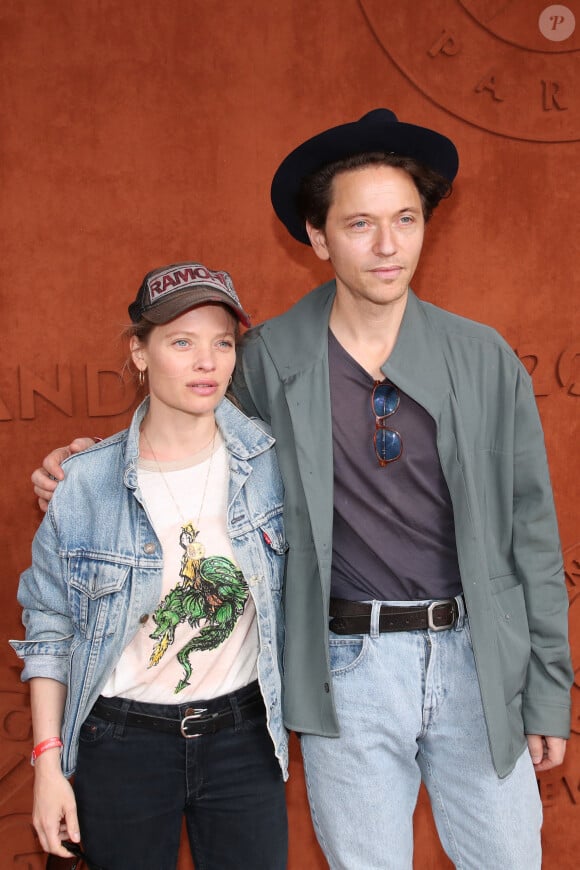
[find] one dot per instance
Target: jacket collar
(298, 342)
(298, 347)
(298, 339)
(244, 437)
(417, 364)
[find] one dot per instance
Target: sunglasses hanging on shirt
(385, 401)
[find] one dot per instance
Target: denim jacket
(97, 567)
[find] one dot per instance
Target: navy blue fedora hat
(379, 130)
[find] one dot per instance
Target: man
(426, 612)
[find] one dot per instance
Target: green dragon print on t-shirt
(211, 589)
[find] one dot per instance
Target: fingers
(60, 849)
(44, 486)
(80, 444)
(536, 748)
(46, 479)
(51, 833)
(71, 823)
(554, 752)
(54, 460)
(54, 815)
(546, 752)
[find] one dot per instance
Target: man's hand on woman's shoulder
(46, 479)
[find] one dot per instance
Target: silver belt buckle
(198, 713)
(430, 610)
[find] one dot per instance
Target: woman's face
(190, 360)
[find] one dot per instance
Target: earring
(141, 377)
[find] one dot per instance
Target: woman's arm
(54, 814)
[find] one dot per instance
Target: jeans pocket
(346, 652)
(93, 729)
(253, 722)
(467, 629)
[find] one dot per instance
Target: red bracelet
(50, 743)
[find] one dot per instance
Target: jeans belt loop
(375, 619)
(236, 711)
(119, 728)
(461, 612)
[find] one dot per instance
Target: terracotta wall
(140, 133)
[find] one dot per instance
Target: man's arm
(45, 479)
(538, 560)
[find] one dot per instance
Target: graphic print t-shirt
(202, 640)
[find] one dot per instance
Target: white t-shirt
(206, 614)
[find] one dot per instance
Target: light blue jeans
(409, 708)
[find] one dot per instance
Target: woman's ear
(137, 353)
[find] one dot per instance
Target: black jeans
(134, 787)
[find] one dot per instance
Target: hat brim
(180, 302)
(378, 131)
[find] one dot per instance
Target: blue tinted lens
(388, 444)
(385, 400)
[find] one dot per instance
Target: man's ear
(318, 241)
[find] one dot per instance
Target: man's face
(373, 234)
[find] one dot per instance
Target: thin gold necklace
(185, 525)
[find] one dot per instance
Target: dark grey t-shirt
(394, 536)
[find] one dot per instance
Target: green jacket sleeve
(539, 566)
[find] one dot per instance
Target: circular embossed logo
(508, 66)
(525, 23)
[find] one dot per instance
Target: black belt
(189, 721)
(353, 617)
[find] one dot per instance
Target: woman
(153, 632)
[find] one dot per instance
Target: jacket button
(326, 687)
(149, 548)
(144, 618)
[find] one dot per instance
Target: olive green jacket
(492, 453)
